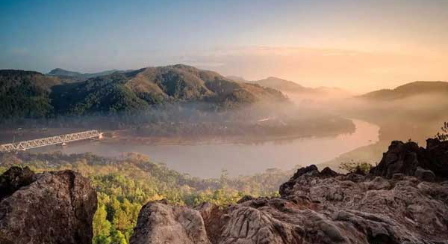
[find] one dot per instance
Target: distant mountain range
(29, 94)
(408, 90)
(295, 89)
(72, 76)
(24, 92)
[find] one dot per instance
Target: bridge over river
(48, 141)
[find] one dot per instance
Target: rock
(327, 172)
(308, 171)
(406, 158)
(213, 217)
(378, 183)
(424, 174)
(400, 158)
(47, 208)
(13, 179)
(437, 155)
(245, 198)
(159, 222)
(398, 176)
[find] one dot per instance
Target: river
(208, 160)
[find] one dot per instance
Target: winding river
(238, 159)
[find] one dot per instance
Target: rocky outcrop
(47, 208)
(162, 223)
(403, 200)
(410, 159)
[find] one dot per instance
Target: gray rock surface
(47, 208)
(159, 222)
(389, 206)
(424, 174)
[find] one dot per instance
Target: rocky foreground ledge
(402, 200)
(50, 208)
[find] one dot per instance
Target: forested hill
(27, 94)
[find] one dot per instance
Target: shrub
(356, 167)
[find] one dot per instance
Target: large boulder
(47, 208)
(159, 222)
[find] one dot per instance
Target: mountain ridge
(68, 73)
(294, 88)
(408, 90)
(129, 91)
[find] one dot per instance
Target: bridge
(48, 141)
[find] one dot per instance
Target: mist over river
(208, 160)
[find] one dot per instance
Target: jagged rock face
(437, 154)
(161, 223)
(340, 210)
(315, 207)
(47, 208)
(406, 158)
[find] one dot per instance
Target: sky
(359, 45)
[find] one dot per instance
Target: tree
(118, 238)
(101, 226)
(443, 134)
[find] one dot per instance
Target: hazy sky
(355, 44)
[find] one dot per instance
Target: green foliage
(356, 167)
(101, 226)
(25, 94)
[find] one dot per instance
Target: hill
(68, 73)
(137, 90)
(63, 72)
(282, 85)
(73, 76)
(237, 78)
(409, 90)
(295, 89)
(25, 94)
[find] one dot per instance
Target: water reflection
(208, 160)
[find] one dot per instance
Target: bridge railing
(48, 141)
